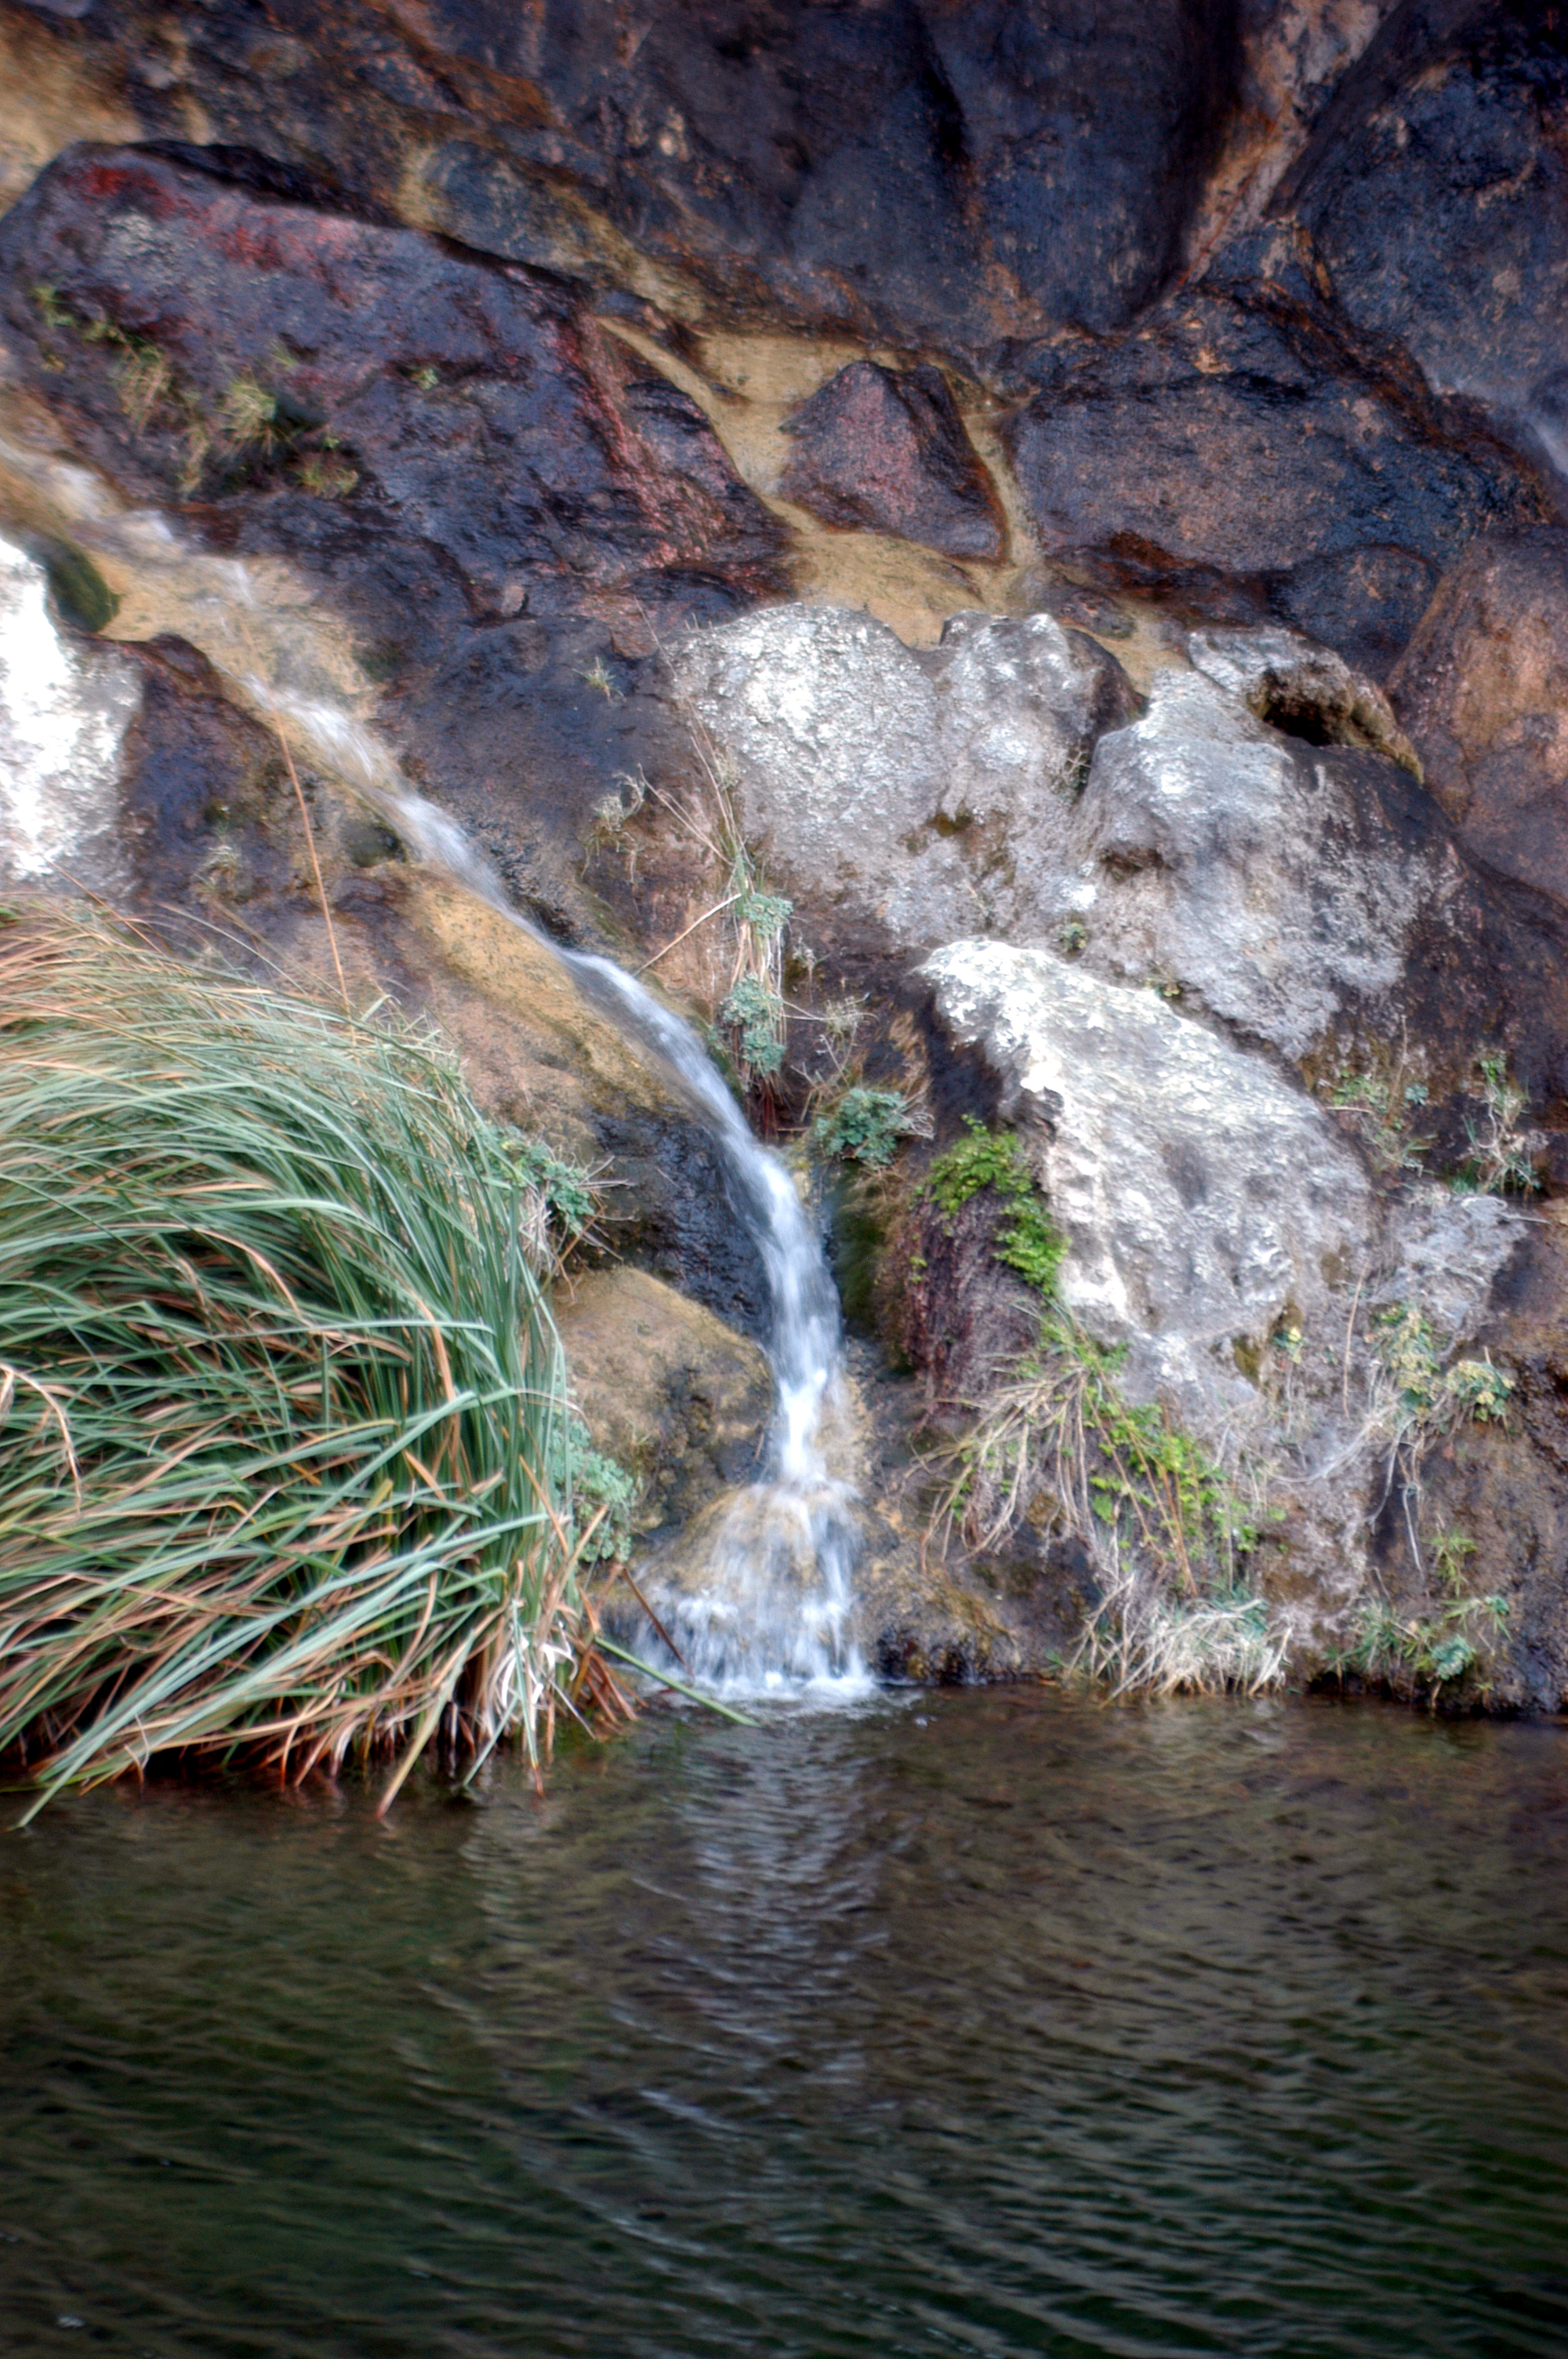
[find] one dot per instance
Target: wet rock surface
(1483, 689)
(665, 1388)
(1436, 189)
(492, 486)
(1246, 452)
(886, 450)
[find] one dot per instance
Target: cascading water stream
(766, 1597)
(760, 1596)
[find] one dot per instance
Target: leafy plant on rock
(1030, 1242)
(864, 1127)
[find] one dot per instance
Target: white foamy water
(764, 1600)
(64, 711)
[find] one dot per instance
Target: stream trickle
(766, 1596)
(763, 1592)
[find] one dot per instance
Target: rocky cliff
(1043, 516)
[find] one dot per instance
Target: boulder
(1246, 455)
(830, 724)
(665, 1388)
(1436, 189)
(1483, 690)
(1304, 689)
(920, 792)
(65, 707)
(1264, 879)
(885, 451)
(1198, 1193)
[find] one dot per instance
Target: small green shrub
(1499, 1162)
(755, 1015)
(1431, 1398)
(864, 1127)
(1431, 1651)
(566, 1189)
(1029, 1243)
(1381, 1107)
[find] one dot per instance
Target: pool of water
(967, 2024)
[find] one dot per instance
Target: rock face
(1224, 860)
(665, 1388)
(1247, 450)
(1483, 689)
(1305, 891)
(906, 169)
(886, 450)
(927, 795)
(1304, 689)
(491, 485)
(485, 332)
(1199, 1195)
(1437, 190)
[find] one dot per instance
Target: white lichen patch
(65, 708)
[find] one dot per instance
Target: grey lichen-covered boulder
(1325, 1341)
(1307, 689)
(829, 727)
(1202, 1198)
(930, 792)
(1262, 877)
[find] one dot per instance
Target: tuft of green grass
(285, 1454)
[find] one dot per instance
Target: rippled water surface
(981, 2024)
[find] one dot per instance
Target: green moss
(1030, 1242)
(79, 590)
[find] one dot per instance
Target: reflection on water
(974, 2024)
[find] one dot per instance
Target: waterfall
(760, 1595)
(764, 1602)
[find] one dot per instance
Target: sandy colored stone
(666, 1388)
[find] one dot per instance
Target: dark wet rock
(212, 340)
(911, 171)
(497, 492)
(1437, 187)
(1246, 454)
(209, 815)
(885, 450)
(1483, 689)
